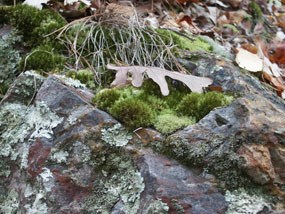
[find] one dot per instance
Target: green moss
(84, 76)
(199, 105)
(256, 12)
(167, 122)
(5, 13)
(185, 42)
(133, 113)
(43, 58)
(212, 100)
(106, 98)
(190, 105)
(35, 24)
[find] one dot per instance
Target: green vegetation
(84, 76)
(256, 12)
(43, 51)
(43, 57)
(168, 122)
(133, 113)
(199, 105)
(106, 98)
(146, 107)
(34, 24)
(183, 42)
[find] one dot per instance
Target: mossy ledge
(146, 107)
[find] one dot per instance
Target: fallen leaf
(194, 83)
(248, 60)
(276, 82)
(250, 47)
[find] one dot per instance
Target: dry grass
(94, 42)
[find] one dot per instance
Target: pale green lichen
(9, 60)
(71, 82)
(241, 201)
(115, 135)
(4, 168)
(47, 179)
(157, 207)
(11, 203)
(59, 156)
(118, 189)
(38, 205)
(35, 196)
(81, 152)
(18, 121)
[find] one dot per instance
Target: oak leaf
(194, 83)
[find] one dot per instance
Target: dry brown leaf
(276, 82)
(248, 60)
(250, 47)
(194, 83)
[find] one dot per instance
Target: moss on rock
(167, 122)
(43, 58)
(199, 105)
(34, 24)
(133, 113)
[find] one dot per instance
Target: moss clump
(106, 98)
(84, 76)
(167, 122)
(133, 113)
(43, 58)
(199, 105)
(147, 107)
(35, 24)
(5, 13)
(185, 42)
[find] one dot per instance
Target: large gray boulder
(60, 154)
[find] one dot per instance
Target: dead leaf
(250, 47)
(276, 82)
(248, 60)
(194, 83)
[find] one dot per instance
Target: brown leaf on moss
(194, 83)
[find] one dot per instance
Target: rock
(236, 143)
(241, 144)
(175, 188)
(24, 88)
(60, 154)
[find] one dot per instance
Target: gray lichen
(59, 156)
(116, 135)
(11, 204)
(71, 82)
(47, 179)
(157, 207)
(38, 205)
(241, 201)
(18, 121)
(9, 60)
(119, 188)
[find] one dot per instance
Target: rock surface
(59, 154)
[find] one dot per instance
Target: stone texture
(241, 144)
(62, 155)
(183, 190)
